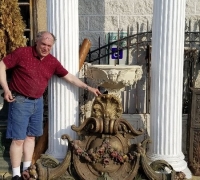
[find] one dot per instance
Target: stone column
(167, 83)
(63, 107)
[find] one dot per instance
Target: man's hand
(94, 90)
(8, 96)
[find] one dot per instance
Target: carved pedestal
(194, 133)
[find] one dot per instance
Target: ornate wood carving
(104, 150)
(194, 133)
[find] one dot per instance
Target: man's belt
(14, 94)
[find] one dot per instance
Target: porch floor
(8, 176)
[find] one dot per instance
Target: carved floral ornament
(103, 151)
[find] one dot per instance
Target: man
(32, 68)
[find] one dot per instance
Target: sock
(16, 171)
(26, 165)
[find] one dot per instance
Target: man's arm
(3, 82)
(77, 82)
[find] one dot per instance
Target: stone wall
(97, 18)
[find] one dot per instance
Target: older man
(32, 68)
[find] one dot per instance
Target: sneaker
(16, 178)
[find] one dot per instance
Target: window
(26, 7)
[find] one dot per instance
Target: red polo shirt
(30, 74)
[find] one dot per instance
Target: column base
(177, 162)
(58, 156)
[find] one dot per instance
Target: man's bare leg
(16, 149)
(28, 149)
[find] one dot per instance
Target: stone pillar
(63, 107)
(167, 83)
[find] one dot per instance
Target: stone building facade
(97, 18)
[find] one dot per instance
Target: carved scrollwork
(104, 151)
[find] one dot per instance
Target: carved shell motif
(107, 106)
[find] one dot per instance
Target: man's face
(44, 45)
